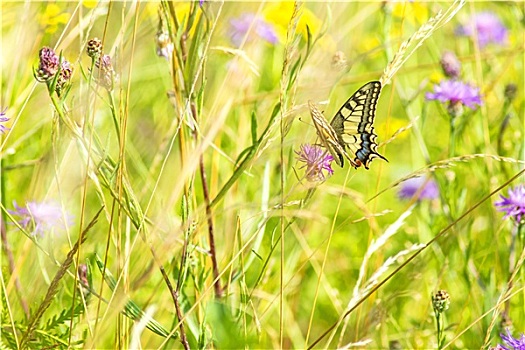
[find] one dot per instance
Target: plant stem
(114, 114)
(252, 151)
(452, 140)
(209, 215)
(54, 286)
(439, 320)
(175, 296)
(9, 253)
(213, 254)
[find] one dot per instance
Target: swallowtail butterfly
(351, 128)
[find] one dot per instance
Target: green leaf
(293, 73)
(308, 40)
(131, 309)
(254, 128)
(243, 154)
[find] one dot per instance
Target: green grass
(295, 263)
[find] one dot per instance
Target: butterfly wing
(354, 125)
(327, 135)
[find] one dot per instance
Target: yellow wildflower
(52, 18)
(182, 11)
(387, 129)
(90, 4)
(279, 14)
(436, 77)
(413, 12)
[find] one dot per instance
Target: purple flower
(3, 119)
(514, 205)
(251, 26)
(423, 188)
(456, 93)
(66, 72)
(84, 279)
(450, 65)
(105, 74)
(49, 63)
(49, 66)
(513, 343)
(41, 217)
(316, 160)
(487, 27)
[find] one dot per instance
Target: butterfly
(351, 127)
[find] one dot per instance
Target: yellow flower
(182, 11)
(279, 15)
(415, 13)
(90, 4)
(388, 129)
(152, 10)
(52, 17)
(369, 45)
(436, 77)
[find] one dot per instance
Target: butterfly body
(351, 128)
(328, 135)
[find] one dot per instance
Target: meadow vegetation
(163, 185)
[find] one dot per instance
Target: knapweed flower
(84, 280)
(316, 160)
(423, 188)
(514, 205)
(94, 48)
(251, 27)
(457, 94)
(511, 343)
(450, 65)
(440, 301)
(66, 72)
(105, 74)
(3, 119)
(486, 27)
(49, 66)
(41, 217)
(49, 63)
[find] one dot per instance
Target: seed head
(440, 301)
(66, 71)
(510, 91)
(94, 48)
(105, 74)
(164, 44)
(450, 65)
(339, 60)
